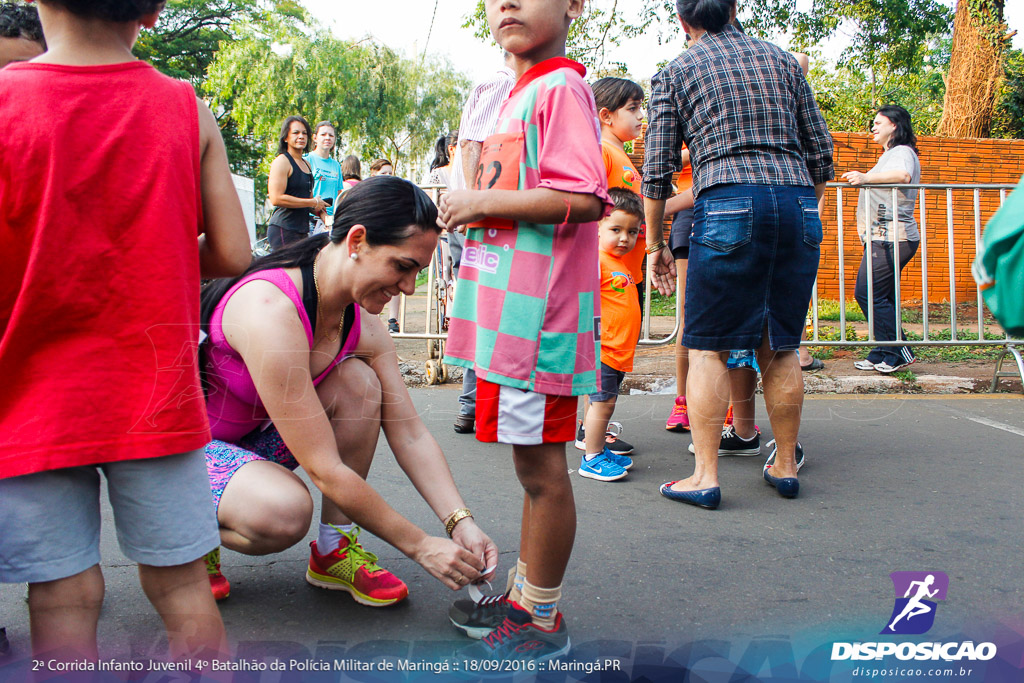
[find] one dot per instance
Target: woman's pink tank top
(232, 403)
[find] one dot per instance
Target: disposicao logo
(913, 613)
(916, 592)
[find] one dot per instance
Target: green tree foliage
(888, 39)
(381, 103)
(844, 93)
(1009, 115)
(603, 26)
(189, 32)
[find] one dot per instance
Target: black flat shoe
(813, 366)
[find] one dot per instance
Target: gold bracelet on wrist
(656, 247)
(455, 518)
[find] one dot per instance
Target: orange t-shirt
(622, 173)
(620, 313)
(685, 180)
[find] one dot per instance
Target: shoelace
(361, 556)
(213, 562)
(482, 600)
(507, 629)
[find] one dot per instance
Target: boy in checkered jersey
(526, 315)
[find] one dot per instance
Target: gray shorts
(163, 514)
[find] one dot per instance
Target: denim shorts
(679, 237)
(611, 380)
(163, 515)
(754, 255)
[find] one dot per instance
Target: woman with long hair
(300, 372)
(893, 132)
(444, 153)
(290, 186)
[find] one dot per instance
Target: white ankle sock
(590, 456)
(330, 536)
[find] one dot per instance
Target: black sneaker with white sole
(611, 439)
(477, 618)
(733, 444)
(581, 437)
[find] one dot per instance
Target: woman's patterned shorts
(223, 459)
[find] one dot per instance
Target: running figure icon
(916, 594)
(915, 607)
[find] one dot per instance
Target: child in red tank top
(99, 318)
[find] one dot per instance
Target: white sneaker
(887, 369)
(864, 365)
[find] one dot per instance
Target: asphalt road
(761, 586)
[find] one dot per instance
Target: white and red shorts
(523, 418)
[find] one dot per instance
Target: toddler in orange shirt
(620, 329)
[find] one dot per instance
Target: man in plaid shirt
(761, 155)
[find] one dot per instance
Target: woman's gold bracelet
(656, 247)
(455, 518)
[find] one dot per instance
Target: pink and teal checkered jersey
(527, 305)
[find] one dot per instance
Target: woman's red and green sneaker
(349, 567)
(218, 583)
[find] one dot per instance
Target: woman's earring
(354, 256)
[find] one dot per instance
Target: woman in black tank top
(290, 186)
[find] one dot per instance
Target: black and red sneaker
(518, 638)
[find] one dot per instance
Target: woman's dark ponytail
(390, 208)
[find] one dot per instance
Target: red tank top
(99, 284)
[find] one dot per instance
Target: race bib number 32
(499, 170)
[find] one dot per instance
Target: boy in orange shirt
(620, 111)
(620, 329)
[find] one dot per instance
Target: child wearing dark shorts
(620, 329)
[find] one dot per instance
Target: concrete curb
(821, 383)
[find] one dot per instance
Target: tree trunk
(979, 41)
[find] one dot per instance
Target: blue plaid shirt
(744, 110)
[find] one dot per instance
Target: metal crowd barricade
(1011, 345)
(436, 336)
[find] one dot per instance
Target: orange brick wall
(943, 161)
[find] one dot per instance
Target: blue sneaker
(623, 461)
(601, 468)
